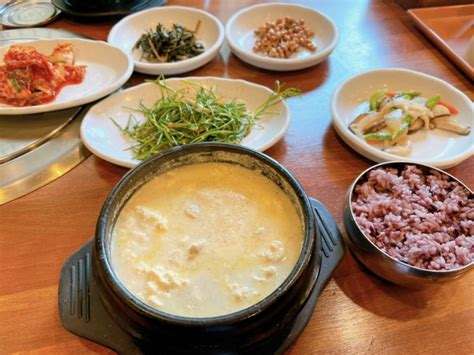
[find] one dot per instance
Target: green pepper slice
(384, 136)
(433, 101)
(406, 121)
(376, 99)
(409, 95)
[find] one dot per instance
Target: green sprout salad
(194, 114)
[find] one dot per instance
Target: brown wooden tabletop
(357, 312)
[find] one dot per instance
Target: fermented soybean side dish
(206, 239)
(283, 38)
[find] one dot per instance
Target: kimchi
(29, 78)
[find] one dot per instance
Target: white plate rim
(193, 63)
(128, 164)
(379, 156)
(265, 62)
(52, 106)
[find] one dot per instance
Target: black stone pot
(89, 287)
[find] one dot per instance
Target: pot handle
(80, 309)
(331, 248)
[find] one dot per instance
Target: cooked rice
(425, 220)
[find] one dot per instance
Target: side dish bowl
(104, 138)
(380, 262)
(240, 35)
(107, 69)
(438, 148)
(126, 32)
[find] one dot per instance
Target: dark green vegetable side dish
(163, 46)
(195, 114)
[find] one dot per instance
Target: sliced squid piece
(393, 120)
(419, 100)
(440, 110)
(425, 118)
(413, 109)
(370, 122)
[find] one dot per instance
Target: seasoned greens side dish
(195, 114)
(164, 45)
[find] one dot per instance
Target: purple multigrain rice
(424, 220)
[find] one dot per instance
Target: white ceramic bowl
(437, 147)
(126, 32)
(241, 38)
(102, 137)
(107, 69)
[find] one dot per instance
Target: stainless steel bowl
(383, 264)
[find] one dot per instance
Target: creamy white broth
(206, 239)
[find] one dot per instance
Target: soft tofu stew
(206, 240)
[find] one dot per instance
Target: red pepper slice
(451, 108)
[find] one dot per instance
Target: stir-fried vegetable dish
(393, 116)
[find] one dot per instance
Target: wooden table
(357, 312)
